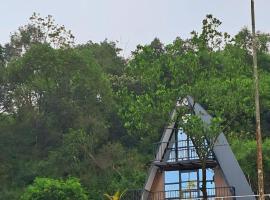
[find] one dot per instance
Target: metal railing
(212, 193)
(133, 195)
(176, 151)
(238, 197)
(191, 193)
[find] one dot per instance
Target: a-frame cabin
(176, 171)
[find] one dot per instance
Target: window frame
(180, 182)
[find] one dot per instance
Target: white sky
(133, 22)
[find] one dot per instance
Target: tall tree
(38, 31)
(257, 108)
(203, 136)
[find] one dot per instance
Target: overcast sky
(133, 22)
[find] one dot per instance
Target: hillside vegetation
(84, 111)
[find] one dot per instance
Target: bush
(51, 189)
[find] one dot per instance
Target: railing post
(233, 188)
(176, 144)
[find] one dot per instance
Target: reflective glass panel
(189, 176)
(181, 135)
(171, 177)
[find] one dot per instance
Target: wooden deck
(184, 164)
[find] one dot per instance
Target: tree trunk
(204, 189)
(257, 106)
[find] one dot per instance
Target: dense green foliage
(245, 152)
(50, 189)
(84, 111)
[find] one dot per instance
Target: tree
(59, 87)
(83, 111)
(51, 189)
(245, 151)
(38, 31)
(48, 92)
(257, 108)
(204, 137)
(107, 56)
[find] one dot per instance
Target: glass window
(187, 183)
(209, 174)
(210, 184)
(190, 185)
(172, 156)
(171, 177)
(172, 191)
(172, 187)
(181, 135)
(188, 176)
(171, 194)
(186, 149)
(200, 174)
(190, 143)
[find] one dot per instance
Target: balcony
(181, 154)
(183, 194)
(192, 194)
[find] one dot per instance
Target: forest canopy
(84, 111)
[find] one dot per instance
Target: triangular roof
(233, 174)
